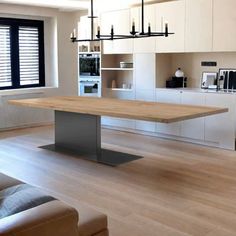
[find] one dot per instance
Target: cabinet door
(84, 29)
(193, 128)
(169, 97)
(145, 72)
(174, 13)
(145, 95)
(144, 45)
(220, 128)
(198, 34)
(224, 31)
(106, 21)
(119, 122)
(120, 21)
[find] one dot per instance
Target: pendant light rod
(92, 21)
(142, 18)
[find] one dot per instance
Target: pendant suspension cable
(142, 19)
(92, 20)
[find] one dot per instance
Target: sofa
(27, 211)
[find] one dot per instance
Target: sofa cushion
(91, 222)
(6, 181)
(20, 198)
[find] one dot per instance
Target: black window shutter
(5, 57)
(21, 53)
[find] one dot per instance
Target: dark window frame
(14, 24)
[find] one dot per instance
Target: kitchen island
(78, 122)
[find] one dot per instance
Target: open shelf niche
(117, 82)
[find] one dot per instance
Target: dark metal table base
(80, 135)
(107, 157)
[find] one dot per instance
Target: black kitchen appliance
(89, 65)
(230, 80)
(177, 82)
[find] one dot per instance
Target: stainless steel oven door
(90, 88)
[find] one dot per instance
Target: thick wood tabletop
(139, 110)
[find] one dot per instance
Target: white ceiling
(67, 5)
(73, 5)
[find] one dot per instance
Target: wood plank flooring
(177, 189)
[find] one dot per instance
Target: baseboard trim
(27, 126)
(169, 137)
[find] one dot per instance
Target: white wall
(60, 54)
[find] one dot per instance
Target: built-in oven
(89, 64)
(90, 87)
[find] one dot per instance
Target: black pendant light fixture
(112, 36)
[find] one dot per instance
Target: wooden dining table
(78, 122)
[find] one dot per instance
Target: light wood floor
(178, 189)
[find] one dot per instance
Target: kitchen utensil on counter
(227, 79)
(209, 80)
(177, 81)
(113, 84)
(124, 86)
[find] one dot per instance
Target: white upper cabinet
(174, 13)
(120, 20)
(224, 30)
(199, 25)
(144, 45)
(84, 29)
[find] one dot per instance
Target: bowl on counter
(126, 64)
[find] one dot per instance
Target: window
(21, 53)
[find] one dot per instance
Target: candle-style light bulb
(133, 27)
(74, 33)
(149, 28)
(98, 32)
(112, 31)
(166, 29)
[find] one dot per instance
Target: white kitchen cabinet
(120, 20)
(220, 129)
(144, 71)
(144, 45)
(169, 97)
(145, 95)
(84, 28)
(198, 35)
(119, 122)
(145, 84)
(174, 13)
(224, 21)
(193, 128)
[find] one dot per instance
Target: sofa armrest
(50, 219)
